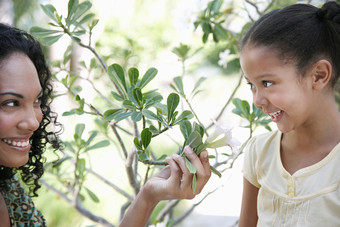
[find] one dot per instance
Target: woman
(25, 95)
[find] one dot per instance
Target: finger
(204, 157)
(202, 166)
(176, 173)
(193, 158)
(164, 173)
(187, 176)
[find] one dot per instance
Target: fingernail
(175, 155)
(188, 150)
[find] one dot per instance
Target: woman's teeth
(16, 143)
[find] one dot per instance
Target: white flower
(226, 57)
(187, 13)
(159, 224)
(221, 137)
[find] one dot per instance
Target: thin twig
(78, 206)
(130, 172)
(229, 100)
(190, 210)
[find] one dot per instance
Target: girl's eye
(252, 86)
(267, 83)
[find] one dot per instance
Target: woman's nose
(31, 119)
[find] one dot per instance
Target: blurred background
(143, 34)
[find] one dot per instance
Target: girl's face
(277, 88)
(20, 112)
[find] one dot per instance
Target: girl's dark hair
(301, 33)
(13, 40)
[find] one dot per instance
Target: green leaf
(92, 195)
(179, 83)
(86, 18)
(81, 167)
(220, 32)
(198, 128)
(40, 32)
(148, 76)
(198, 83)
(215, 6)
(116, 75)
(205, 37)
(50, 11)
(133, 76)
(129, 105)
(151, 115)
(122, 116)
(185, 115)
(80, 129)
(136, 116)
(206, 27)
(172, 103)
(101, 144)
(71, 8)
(194, 183)
(186, 129)
(117, 96)
(48, 41)
(152, 100)
(138, 96)
(153, 129)
(80, 10)
(92, 136)
(142, 156)
(137, 144)
(110, 114)
(190, 166)
(146, 136)
(181, 51)
(194, 140)
(215, 171)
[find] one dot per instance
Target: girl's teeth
(16, 144)
(275, 114)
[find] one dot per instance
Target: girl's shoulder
(261, 141)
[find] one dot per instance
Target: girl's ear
(321, 74)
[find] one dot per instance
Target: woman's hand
(172, 182)
(175, 181)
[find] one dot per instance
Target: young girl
(25, 92)
(291, 59)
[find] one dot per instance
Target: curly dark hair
(13, 40)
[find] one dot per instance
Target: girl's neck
(323, 129)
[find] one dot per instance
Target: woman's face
(20, 112)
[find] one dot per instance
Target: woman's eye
(38, 101)
(11, 103)
(267, 83)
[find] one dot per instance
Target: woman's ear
(321, 74)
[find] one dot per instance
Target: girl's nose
(31, 119)
(260, 100)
